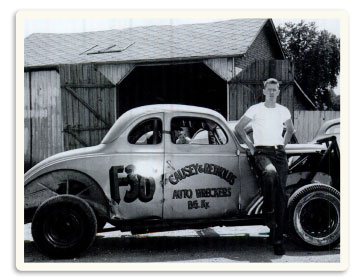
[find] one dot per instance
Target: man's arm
(240, 129)
(290, 130)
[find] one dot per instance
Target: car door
(201, 168)
(137, 169)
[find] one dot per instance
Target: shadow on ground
(179, 249)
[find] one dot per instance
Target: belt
(271, 147)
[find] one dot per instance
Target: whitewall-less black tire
(64, 226)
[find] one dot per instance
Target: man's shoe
(279, 249)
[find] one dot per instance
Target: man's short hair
(271, 81)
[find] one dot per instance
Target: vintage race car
(169, 167)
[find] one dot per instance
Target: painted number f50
(140, 187)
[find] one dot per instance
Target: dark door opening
(189, 84)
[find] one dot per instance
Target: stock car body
(328, 128)
(140, 179)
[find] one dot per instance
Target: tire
(314, 216)
(64, 226)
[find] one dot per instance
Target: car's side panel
(135, 176)
(147, 165)
(139, 185)
(202, 180)
(60, 182)
(135, 171)
(248, 182)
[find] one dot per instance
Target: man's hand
(290, 130)
(252, 149)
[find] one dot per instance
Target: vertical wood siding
(84, 126)
(307, 123)
(246, 88)
(221, 66)
(115, 72)
(27, 122)
(42, 123)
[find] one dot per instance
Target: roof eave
(304, 94)
(256, 35)
(140, 61)
(277, 38)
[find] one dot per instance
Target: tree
(335, 101)
(316, 55)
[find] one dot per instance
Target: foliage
(316, 55)
(334, 101)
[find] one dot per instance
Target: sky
(74, 25)
(71, 25)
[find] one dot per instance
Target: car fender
(61, 182)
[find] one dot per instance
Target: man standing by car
(268, 119)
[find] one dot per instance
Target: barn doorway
(188, 84)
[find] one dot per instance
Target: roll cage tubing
(333, 149)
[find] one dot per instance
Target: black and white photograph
(182, 140)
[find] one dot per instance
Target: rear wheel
(314, 213)
(64, 226)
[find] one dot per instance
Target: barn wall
(260, 49)
(223, 67)
(27, 121)
(115, 73)
(42, 123)
(88, 104)
(246, 89)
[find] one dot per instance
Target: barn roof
(146, 43)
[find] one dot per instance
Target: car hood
(299, 148)
(61, 157)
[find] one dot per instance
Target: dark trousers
(272, 164)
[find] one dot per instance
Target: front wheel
(314, 216)
(64, 226)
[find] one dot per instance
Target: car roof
(172, 108)
(128, 117)
(326, 125)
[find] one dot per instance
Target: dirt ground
(217, 244)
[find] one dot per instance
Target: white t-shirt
(268, 123)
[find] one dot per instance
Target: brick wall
(260, 49)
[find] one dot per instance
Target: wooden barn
(78, 84)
